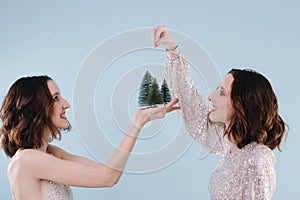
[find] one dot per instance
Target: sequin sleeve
(247, 174)
(259, 178)
(194, 107)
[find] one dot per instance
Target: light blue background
(54, 38)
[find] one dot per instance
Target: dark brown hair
(255, 117)
(25, 113)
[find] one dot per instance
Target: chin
(212, 117)
(64, 126)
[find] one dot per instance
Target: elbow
(110, 184)
(111, 181)
(111, 177)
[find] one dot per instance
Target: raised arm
(195, 107)
(68, 169)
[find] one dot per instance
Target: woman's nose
(211, 96)
(66, 105)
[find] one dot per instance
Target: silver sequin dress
(57, 192)
(249, 173)
(60, 192)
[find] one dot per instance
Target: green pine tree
(165, 92)
(154, 96)
(145, 88)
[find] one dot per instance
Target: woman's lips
(213, 108)
(63, 115)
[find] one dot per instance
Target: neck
(227, 122)
(45, 139)
(44, 147)
(233, 148)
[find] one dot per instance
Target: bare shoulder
(27, 156)
(32, 159)
(23, 160)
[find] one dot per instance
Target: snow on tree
(165, 92)
(154, 96)
(145, 88)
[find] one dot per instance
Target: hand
(160, 111)
(160, 35)
(143, 116)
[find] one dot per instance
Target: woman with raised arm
(33, 112)
(243, 126)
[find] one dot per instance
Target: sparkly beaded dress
(248, 173)
(57, 192)
(60, 192)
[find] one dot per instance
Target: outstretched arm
(72, 170)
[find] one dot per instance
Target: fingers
(153, 37)
(160, 33)
(171, 105)
(158, 112)
(157, 34)
(175, 108)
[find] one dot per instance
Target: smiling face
(60, 105)
(222, 110)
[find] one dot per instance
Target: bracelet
(136, 126)
(172, 49)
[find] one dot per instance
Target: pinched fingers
(172, 105)
(157, 34)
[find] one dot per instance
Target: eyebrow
(221, 87)
(56, 93)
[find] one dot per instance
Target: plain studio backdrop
(57, 37)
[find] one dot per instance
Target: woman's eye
(56, 98)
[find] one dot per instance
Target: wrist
(139, 120)
(174, 54)
(172, 49)
(171, 46)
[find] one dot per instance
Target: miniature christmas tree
(145, 88)
(154, 96)
(150, 95)
(165, 92)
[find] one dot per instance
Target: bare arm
(62, 154)
(78, 171)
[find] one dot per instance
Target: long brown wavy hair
(255, 106)
(25, 113)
